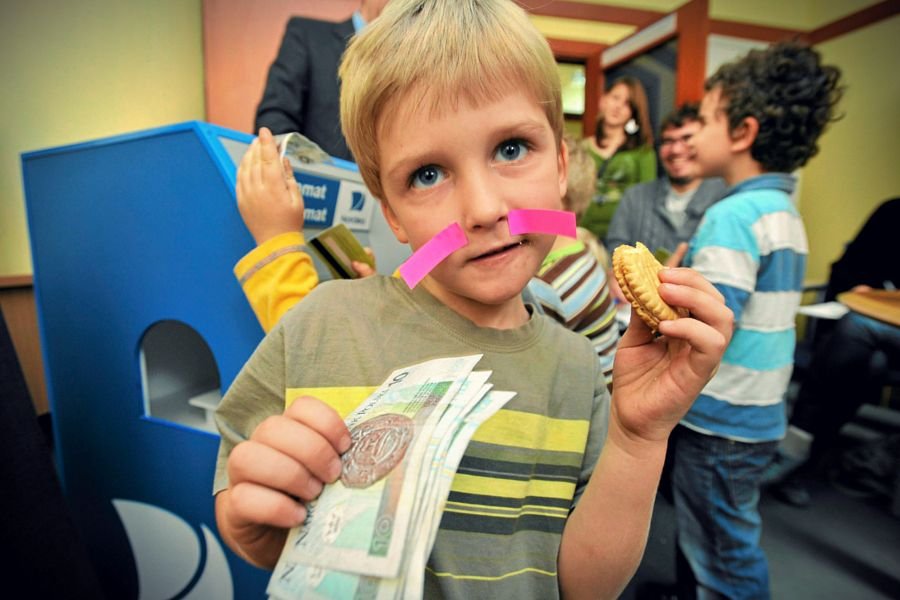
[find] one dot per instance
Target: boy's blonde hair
(446, 51)
(582, 179)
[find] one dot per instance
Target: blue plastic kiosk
(143, 326)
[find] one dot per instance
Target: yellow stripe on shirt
(503, 512)
(533, 432)
(512, 488)
(487, 578)
(342, 399)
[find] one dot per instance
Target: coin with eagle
(377, 446)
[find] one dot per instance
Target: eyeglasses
(671, 142)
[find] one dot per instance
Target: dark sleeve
(33, 508)
(281, 107)
(865, 260)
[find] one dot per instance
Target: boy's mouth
(500, 250)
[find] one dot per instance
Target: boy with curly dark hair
(761, 118)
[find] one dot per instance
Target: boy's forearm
(605, 535)
(262, 552)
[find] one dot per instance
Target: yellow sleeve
(275, 276)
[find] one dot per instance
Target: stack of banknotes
(369, 534)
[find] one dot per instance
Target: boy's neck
(507, 315)
(742, 167)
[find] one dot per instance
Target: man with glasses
(665, 212)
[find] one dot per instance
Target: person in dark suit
(665, 212)
(302, 88)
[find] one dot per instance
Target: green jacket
(624, 169)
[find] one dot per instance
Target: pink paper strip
(531, 220)
(432, 253)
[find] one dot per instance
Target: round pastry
(637, 271)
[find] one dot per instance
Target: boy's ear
(563, 168)
(743, 136)
(394, 224)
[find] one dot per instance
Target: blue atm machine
(143, 327)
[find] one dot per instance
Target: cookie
(637, 271)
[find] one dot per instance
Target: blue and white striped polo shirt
(752, 246)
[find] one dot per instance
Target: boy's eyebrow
(527, 127)
(531, 129)
(404, 165)
(414, 159)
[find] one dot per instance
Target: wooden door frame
(690, 25)
(588, 54)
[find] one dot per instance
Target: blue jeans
(716, 493)
(848, 369)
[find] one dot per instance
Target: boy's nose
(482, 202)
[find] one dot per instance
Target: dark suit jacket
(302, 90)
(863, 261)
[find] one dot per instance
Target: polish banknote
(370, 531)
(300, 148)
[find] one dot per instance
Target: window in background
(655, 68)
(571, 76)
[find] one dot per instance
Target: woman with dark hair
(622, 148)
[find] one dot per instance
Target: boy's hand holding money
(268, 197)
(285, 463)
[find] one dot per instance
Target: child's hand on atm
(268, 197)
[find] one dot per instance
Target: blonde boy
(452, 110)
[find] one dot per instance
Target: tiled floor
(840, 547)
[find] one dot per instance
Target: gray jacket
(641, 215)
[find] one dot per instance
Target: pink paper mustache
(452, 238)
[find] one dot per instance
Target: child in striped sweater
(760, 119)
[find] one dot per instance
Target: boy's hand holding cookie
(637, 273)
(285, 463)
(656, 379)
(268, 197)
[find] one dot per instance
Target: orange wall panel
(240, 41)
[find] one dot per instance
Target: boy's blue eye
(510, 150)
(426, 177)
